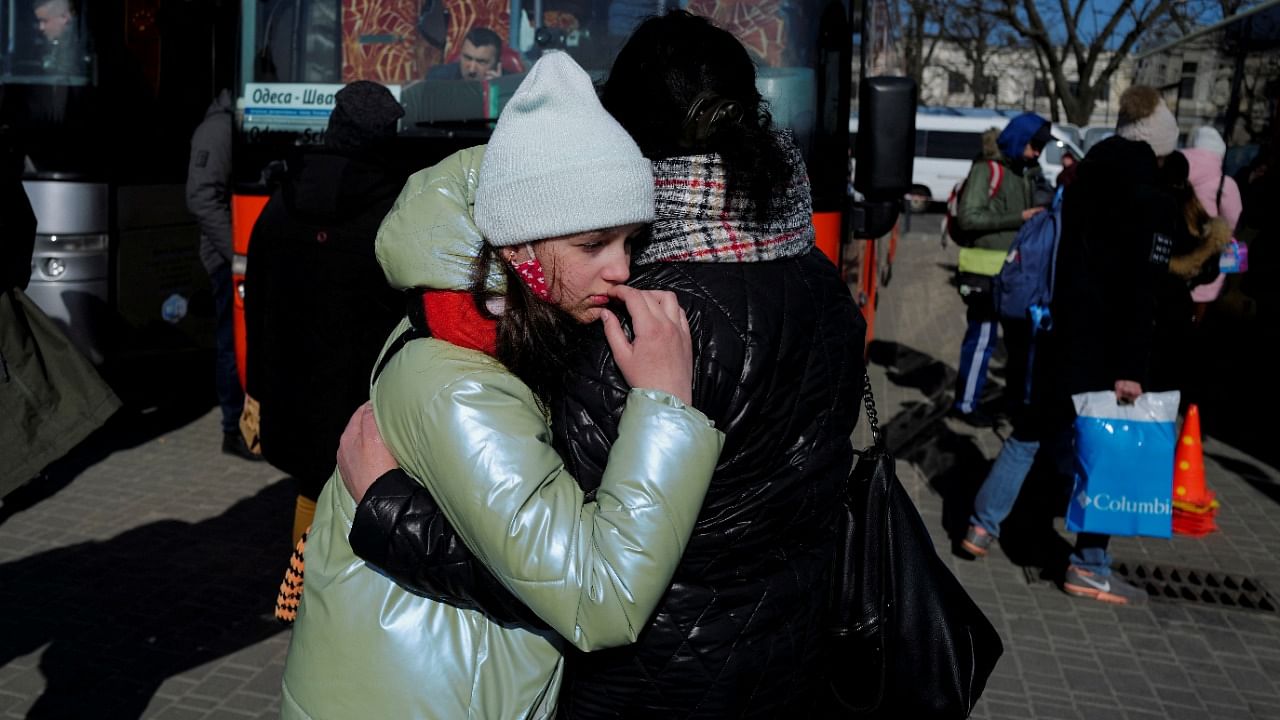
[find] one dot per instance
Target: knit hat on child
(558, 163)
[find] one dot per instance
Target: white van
(949, 139)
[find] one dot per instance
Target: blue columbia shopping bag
(1124, 464)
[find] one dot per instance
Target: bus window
(82, 97)
(45, 42)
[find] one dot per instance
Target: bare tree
(971, 27)
(1056, 30)
(919, 36)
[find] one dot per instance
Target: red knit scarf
(453, 317)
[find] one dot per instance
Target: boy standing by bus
(997, 197)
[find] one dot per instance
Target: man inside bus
(58, 22)
(479, 58)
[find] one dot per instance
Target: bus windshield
(82, 95)
(454, 63)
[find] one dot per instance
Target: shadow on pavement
(122, 615)
(1250, 473)
(157, 400)
(955, 465)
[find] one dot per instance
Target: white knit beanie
(1144, 117)
(1206, 137)
(558, 163)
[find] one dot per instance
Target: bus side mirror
(884, 151)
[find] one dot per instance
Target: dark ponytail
(666, 65)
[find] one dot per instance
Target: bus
(295, 54)
(99, 97)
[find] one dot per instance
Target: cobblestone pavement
(137, 580)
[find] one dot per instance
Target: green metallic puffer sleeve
(594, 571)
(979, 211)
(428, 239)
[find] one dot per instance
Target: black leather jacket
(778, 367)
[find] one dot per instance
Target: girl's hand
(661, 355)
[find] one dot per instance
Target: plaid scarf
(698, 221)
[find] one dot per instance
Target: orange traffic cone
(1188, 461)
(1194, 505)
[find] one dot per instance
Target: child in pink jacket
(1204, 155)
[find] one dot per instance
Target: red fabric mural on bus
(757, 23)
(380, 39)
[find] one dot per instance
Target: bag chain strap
(869, 401)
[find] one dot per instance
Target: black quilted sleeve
(401, 531)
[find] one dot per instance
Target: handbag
(904, 638)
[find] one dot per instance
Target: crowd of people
(598, 469)
(1143, 227)
(591, 388)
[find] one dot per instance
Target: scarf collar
(453, 317)
(697, 220)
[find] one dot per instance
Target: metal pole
(1237, 77)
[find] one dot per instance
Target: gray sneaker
(1103, 588)
(977, 541)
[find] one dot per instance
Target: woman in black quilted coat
(778, 367)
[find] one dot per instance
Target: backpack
(1024, 286)
(995, 174)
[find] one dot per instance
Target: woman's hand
(362, 456)
(661, 355)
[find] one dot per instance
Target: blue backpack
(1024, 286)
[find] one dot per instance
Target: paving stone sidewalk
(138, 579)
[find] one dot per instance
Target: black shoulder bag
(905, 639)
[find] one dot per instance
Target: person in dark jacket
(778, 366)
(1120, 227)
(209, 200)
(317, 307)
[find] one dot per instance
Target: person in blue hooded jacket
(998, 196)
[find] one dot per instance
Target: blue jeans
(226, 378)
(1000, 490)
(1091, 553)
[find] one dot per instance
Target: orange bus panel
(245, 210)
(826, 226)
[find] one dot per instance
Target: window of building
(956, 82)
(1187, 88)
(1041, 88)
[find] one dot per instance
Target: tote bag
(1123, 464)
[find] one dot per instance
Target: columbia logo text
(1109, 503)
